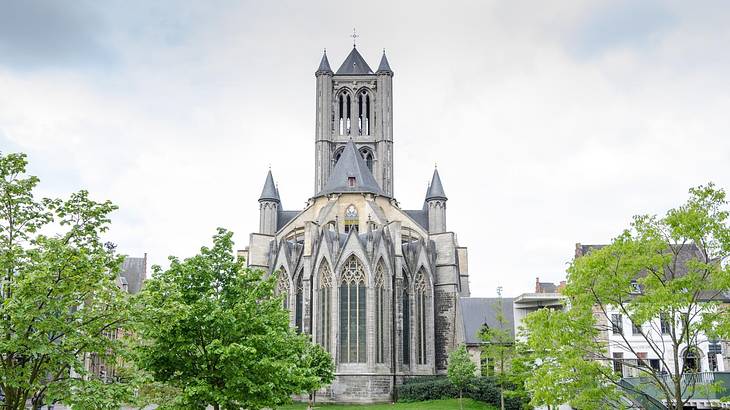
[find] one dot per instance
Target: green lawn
(469, 404)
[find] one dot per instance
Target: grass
(448, 404)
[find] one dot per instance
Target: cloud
(39, 33)
(538, 145)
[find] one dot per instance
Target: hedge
(482, 389)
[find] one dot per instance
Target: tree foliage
(461, 370)
(319, 370)
(59, 300)
(663, 274)
(215, 330)
(499, 350)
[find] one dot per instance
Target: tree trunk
(216, 406)
(310, 402)
(678, 405)
(501, 398)
(461, 404)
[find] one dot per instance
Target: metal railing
(699, 386)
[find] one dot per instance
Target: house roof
(351, 165)
(354, 64)
(134, 272)
(478, 312)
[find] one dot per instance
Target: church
(379, 287)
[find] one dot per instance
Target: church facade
(378, 286)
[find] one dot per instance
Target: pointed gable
(354, 64)
(351, 174)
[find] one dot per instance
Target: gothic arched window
(380, 317)
(282, 286)
(348, 115)
(420, 291)
(341, 116)
(323, 307)
(406, 302)
(351, 219)
(353, 308)
(367, 155)
(299, 308)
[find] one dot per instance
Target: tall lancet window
(348, 125)
(420, 290)
(368, 157)
(406, 302)
(341, 116)
(282, 286)
(360, 119)
(299, 308)
(323, 306)
(353, 312)
(380, 317)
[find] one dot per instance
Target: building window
(635, 329)
(655, 365)
(618, 363)
(641, 359)
(282, 286)
(368, 157)
(617, 326)
(351, 219)
(351, 182)
(691, 361)
(299, 308)
(664, 323)
(420, 291)
(324, 309)
(406, 321)
(380, 318)
(353, 310)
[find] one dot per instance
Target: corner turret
(269, 203)
(436, 204)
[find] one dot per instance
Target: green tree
(662, 274)
(461, 370)
(215, 330)
(59, 300)
(499, 350)
(319, 370)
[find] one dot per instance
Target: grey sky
(551, 122)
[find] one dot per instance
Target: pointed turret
(270, 191)
(324, 65)
(436, 204)
(435, 189)
(351, 174)
(269, 204)
(354, 64)
(384, 67)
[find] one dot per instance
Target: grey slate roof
(133, 272)
(420, 216)
(354, 64)
(324, 65)
(285, 217)
(384, 67)
(477, 312)
(435, 190)
(351, 165)
(269, 193)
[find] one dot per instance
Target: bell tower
(354, 103)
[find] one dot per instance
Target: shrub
(483, 389)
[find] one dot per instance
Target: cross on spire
(354, 36)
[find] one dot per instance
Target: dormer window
(351, 181)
